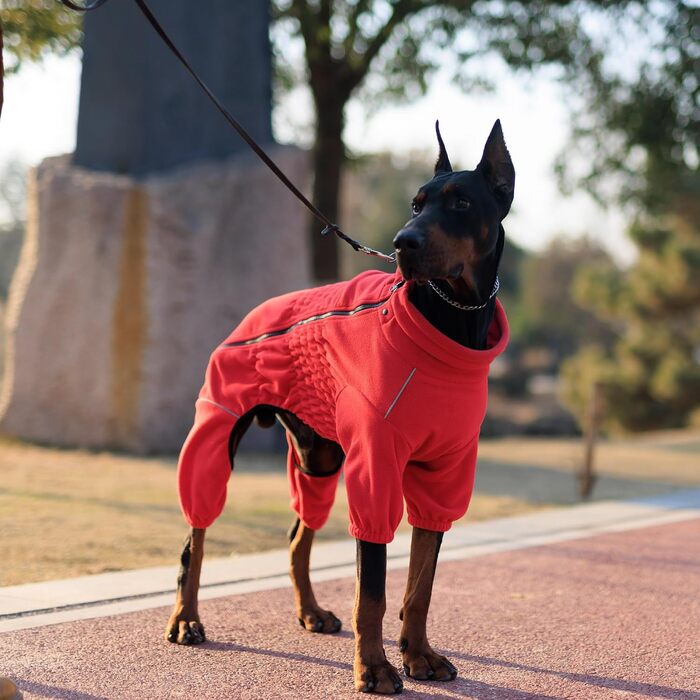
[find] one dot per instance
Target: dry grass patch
(665, 459)
(68, 513)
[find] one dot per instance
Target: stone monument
(142, 113)
(148, 246)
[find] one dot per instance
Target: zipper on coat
(315, 317)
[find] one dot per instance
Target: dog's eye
(462, 203)
(415, 208)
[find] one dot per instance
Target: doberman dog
(384, 375)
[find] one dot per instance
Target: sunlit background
(600, 108)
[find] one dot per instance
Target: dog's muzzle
(411, 254)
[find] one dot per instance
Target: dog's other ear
(497, 168)
(443, 164)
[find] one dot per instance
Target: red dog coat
(362, 366)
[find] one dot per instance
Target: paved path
(607, 615)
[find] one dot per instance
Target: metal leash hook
(330, 227)
(358, 247)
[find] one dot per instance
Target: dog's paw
(180, 630)
(423, 664)
(377, 678)
(319, 620)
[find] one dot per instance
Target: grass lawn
(70, 512)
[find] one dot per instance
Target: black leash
(330, 227)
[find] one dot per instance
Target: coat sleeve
(375, 459)
(204, 466)
(438, 493)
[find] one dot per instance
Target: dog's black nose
(409, 239)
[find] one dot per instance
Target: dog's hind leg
(310, 614)
(184, 626)
(313, 465)
(419, 659)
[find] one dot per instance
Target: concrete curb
(54, 602)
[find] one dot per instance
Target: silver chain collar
(464, 307)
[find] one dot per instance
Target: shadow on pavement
(51, 691)
(423, 689)
(648, 689)
(232, 647)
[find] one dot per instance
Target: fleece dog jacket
(362, 366)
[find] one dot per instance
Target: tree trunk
(328, 160)
(587, 476)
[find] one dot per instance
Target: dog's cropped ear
(497, 168)
(443, 164)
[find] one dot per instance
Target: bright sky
(40, 113)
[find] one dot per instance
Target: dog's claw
(320, 621)
(426, 665)
(380, 678)
(450, 667)
(184, 632)
(196, 633)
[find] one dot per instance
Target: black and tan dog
(448, 255)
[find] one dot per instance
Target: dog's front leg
(184, 626)
(419, 659)
(372, 672)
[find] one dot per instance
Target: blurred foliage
(33, 28)
(650, 378)
(387, 50)
(640, 130)
(545, 314)
(636, 117)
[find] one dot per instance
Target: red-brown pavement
(611, 616)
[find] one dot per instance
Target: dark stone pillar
(140, 112)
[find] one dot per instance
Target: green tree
(642, 137)
(34, 28)
(650, 378)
